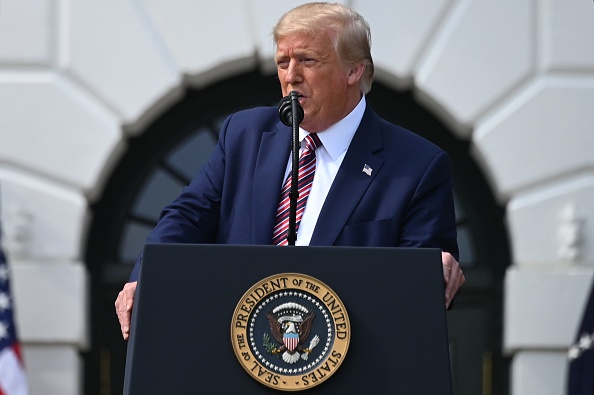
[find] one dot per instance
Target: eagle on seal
(290, 325)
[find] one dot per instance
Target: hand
(123, 306)
(452, 275)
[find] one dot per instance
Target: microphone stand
(291, 114)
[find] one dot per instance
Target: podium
(187, 294)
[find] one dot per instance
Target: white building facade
(514, 79)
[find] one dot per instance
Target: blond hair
(352, 38)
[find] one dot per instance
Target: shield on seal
(291, 340)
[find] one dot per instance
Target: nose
(293, 74)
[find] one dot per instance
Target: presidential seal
(290, 332)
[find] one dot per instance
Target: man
(375, 184)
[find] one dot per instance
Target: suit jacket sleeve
(430, 217)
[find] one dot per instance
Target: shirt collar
(337, 138)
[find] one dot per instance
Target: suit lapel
(268, 178)
(351, 181)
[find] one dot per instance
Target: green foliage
(269, 345)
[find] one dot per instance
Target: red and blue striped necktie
(307, 168)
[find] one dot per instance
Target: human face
(309, 65)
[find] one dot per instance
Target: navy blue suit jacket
(405, 202)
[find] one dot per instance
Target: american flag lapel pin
(367, 170)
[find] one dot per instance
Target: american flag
(581, 354)
(12, 372)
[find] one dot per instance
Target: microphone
(291, 114)
(289, 105)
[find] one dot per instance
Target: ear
(355, 74)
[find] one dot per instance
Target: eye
(308, 61)
(282, 64)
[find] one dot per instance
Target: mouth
(302, 98)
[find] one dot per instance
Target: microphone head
(285, 109)
(285, 112)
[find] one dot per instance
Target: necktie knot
(312, 141)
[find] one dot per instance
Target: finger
(454, 284)
(126, 333)
(448, 293)
(446, 260)
(450, 287)
(447, 272)
(125, 324)
(126, 308)
(124, 304)
(453, 276)
(121, 312)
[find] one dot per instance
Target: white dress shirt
(335, 142)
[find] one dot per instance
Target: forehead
(304, 42)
